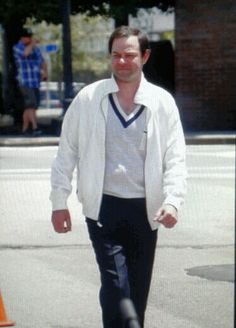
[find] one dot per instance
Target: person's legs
(31, 100)
(29, 117)
(36, 96)
(25, 121)
(33, 119)
(114, 278)
(124, 245)
(140, 255)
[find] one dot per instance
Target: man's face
(26, 40)
(126, 59)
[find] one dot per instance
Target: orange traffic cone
(4, 322)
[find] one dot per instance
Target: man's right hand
(61, 221)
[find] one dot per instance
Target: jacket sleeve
(64, 163)
(174, 175)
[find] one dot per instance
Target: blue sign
(51, 48)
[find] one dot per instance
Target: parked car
(51, 94)
(51, 100)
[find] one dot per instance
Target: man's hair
(26, 32)
(125, 32)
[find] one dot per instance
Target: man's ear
(146, 56)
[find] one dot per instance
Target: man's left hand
(166, 215)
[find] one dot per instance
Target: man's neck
(126, 94)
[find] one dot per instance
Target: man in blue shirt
(31, 68)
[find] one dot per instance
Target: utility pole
(67, 58)
(5, 72)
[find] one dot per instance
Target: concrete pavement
(194, 138)
(49, 121)
(50, 280)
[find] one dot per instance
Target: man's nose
(122, 59)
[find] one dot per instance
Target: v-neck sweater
(125, 151)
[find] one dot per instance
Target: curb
(32, 142)
(191, 139)
(210, 139)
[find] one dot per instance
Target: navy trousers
(124, 246)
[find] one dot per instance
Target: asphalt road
(51, 281)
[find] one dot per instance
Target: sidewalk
(210, 138)
(194, 138)
(49, 123)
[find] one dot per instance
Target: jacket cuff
(59, 200)
(174, 201)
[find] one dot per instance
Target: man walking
(125, 137)
(31, 68)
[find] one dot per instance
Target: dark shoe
(36, 133)
(27, 133)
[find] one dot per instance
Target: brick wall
(206, 64)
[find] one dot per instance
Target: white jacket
(82, 144)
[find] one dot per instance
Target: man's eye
(130, 56)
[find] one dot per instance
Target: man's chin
(124, 77)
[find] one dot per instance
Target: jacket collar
(142, 95)
(110, 86)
